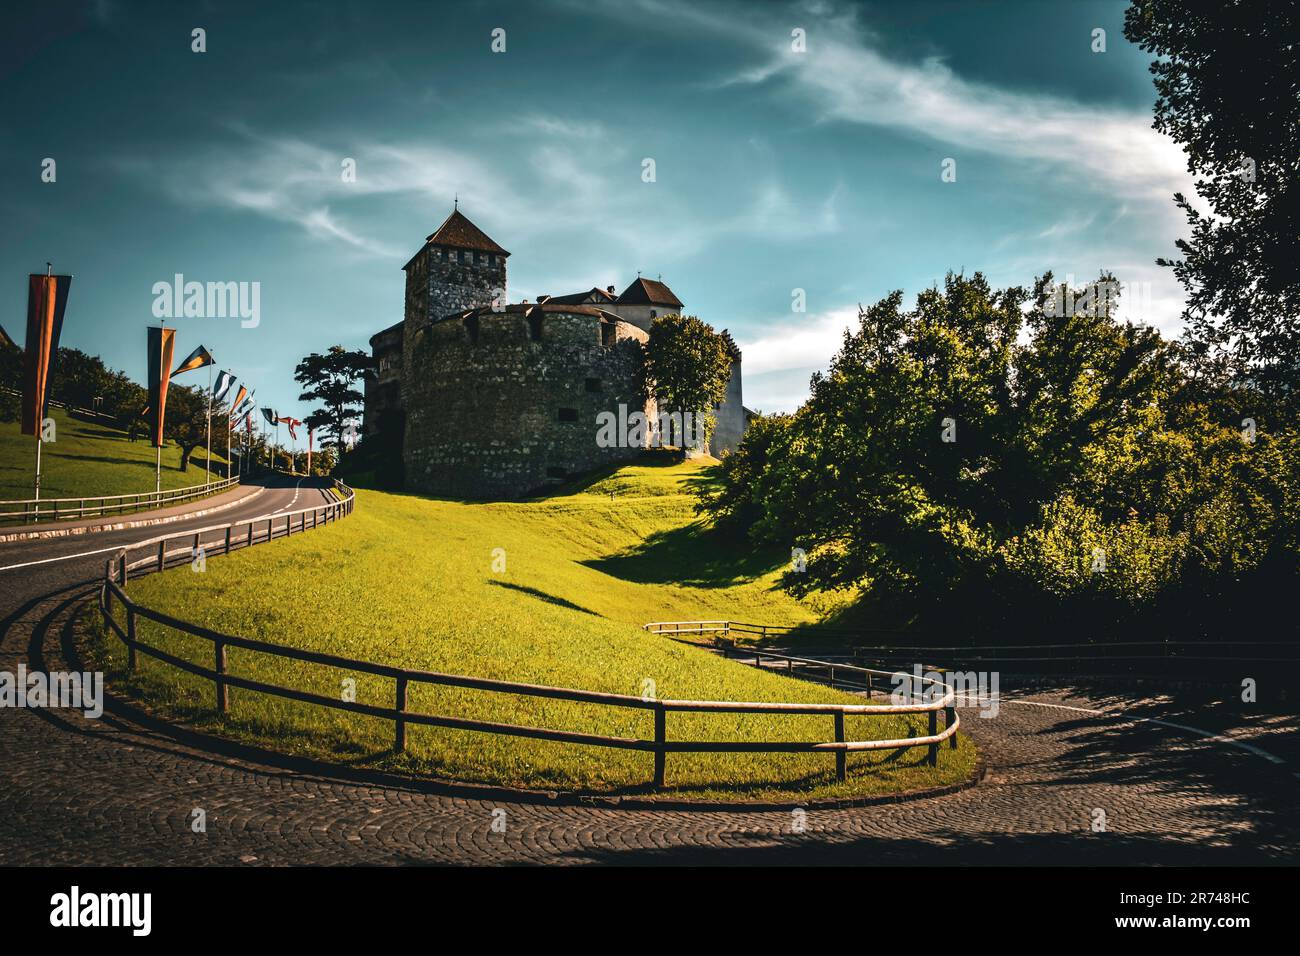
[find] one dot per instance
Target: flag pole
(157, 462)
(40, 427)
(207, 454)
(38, 477)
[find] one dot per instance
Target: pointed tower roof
(649, 292)
(457, 232)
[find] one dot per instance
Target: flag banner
(47, 296)
(197, 359)
(270, 416)
(249, 404)
(162, 343)
(292, 423)
(238, 402)
(222, 385)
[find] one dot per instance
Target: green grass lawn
(92, 458)
(409, 581)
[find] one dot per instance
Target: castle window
(593, 385)
(608, 333)
(535, 325)
(568, 414)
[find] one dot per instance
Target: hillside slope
(92, 458)
(412, 581)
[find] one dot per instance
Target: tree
(973, 463)
(687, 368)
(330, 379)
(1225, 78)
(185, 421)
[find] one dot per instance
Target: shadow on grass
(693, 555)
(542, 595)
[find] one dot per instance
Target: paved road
(109, 791)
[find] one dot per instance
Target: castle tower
(457, 268)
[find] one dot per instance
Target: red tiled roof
(649, 292)
(459, 233)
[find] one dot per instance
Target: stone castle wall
(729, 427)
(442, 281)
(502, 404)
(383, 386)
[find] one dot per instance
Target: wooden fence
(30, 510)
(936, 698)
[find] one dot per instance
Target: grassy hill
(410, 580)
(91, 458)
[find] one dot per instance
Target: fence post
(121, 567)
(250, 535)
(932, 758)
(949, 718)
(219, 648)
(399, 744)
(841, 757)
(162, 554)
(130, 639)
(660, 754)
(228, 530)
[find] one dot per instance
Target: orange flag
(162, 343)
(47, 296)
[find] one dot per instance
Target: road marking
(297, 489)
(65, 557)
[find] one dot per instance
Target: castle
(499, 400)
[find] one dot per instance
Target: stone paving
(77, 791)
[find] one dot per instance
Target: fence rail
(31, 510)
(934, 698)
(1062, 656)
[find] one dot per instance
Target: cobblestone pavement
(77, 791)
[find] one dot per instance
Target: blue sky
(776, 170)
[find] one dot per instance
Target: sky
(795, 146)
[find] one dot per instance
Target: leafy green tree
(331, 378)
(981, 462)
(185, 421)
(687, 367)
(1224, 75)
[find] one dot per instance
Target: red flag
(47, 297)
(292, 423)
(161, 344)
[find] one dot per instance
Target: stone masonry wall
(505, 415)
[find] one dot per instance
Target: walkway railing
(936, 696)
(1072, 657)
(94, 506)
